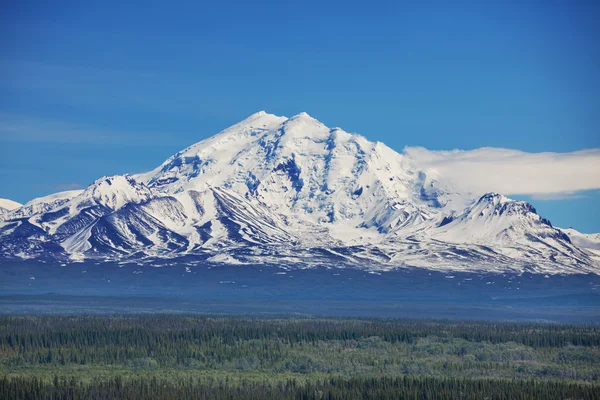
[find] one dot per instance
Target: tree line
(213, 357)
(55, 331)
(334, 388)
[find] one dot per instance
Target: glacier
(293, 193)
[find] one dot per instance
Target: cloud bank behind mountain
(513, 172)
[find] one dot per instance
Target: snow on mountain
(44, 204)
(303, 170)
(588, 241)
(291, 191)
(7, 205)
(496, 220)
(583, 240)
(513, 229)
(114, 192)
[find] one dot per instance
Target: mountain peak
(116, 191)
(502, 204)
(302, 127)
(260, 115)
(493, 197)
(114, 179)
(303, 116)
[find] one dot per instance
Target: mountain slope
(291, 191)
(588, 241)
(583, 240)
(7, 205)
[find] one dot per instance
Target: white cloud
(542, 175)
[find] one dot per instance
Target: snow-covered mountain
(7, 205)
(293, 192)
(588, 241)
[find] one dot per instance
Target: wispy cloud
(546, 176)
(112, 88)
(21, 128)
(68, 186)
(79, 85)
(558, 196)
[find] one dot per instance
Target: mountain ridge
(7, 205)
(292, 191)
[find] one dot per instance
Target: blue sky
(88, 90)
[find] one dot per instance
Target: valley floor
(34, 288)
